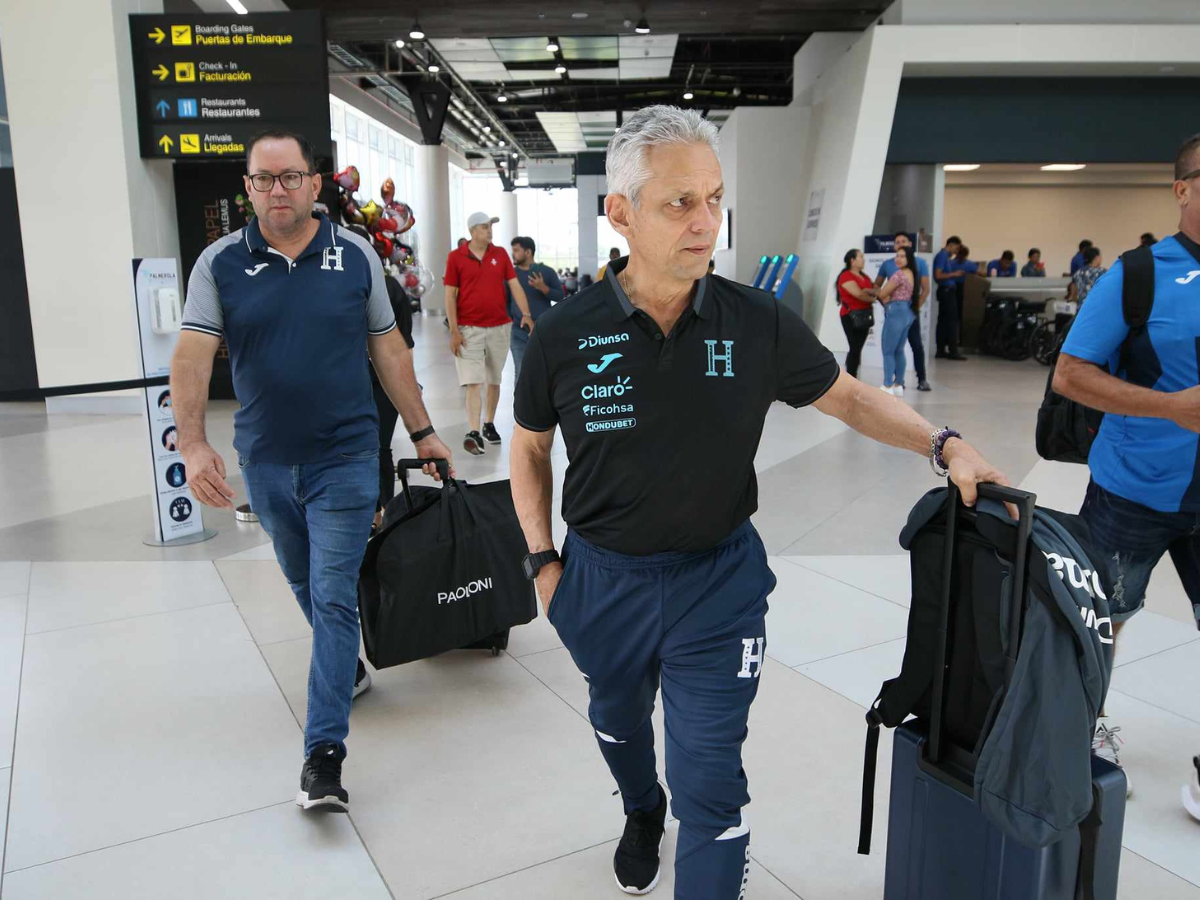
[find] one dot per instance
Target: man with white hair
(656, 375)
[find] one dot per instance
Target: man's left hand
(968, 469)
(432, 447)
(538, 283)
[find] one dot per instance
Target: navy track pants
(695, 622)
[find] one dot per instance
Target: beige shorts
(481, 358)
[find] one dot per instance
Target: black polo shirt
(662, 430)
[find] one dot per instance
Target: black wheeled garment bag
(444, 571)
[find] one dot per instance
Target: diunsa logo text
(462, 593)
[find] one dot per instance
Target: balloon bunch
(384, 225)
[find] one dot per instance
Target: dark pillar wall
(18, 366)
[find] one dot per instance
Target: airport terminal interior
(154, 663)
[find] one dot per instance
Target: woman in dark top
(854, 294)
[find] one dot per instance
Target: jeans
(898, 318)
(1130, 539)
(947, 320)
(855, 337)
(696, 622)
(918, 346)
(520, 340)
(319, 517)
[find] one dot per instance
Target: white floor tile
(858, 676)
(536, 637)
(132, 728)
(12, 638)
(1141, 879)
(463, 768)
(14, 578)
(1157, 754)
(1149, 633)
(264, 551)
(588, 875)
(272, 854)
(1167, 680)
(1058, 485)
(884, 576)
(66, 594)
(264, 599)
(813, 617)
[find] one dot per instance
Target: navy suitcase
(940, 847)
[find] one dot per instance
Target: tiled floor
(150, 698)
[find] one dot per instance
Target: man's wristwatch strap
(418, 436)
(533, 563)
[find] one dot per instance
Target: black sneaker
(923, 386)
(636, 864)
(362, 681)
(473, 443)
(321, 781)
(490, 434)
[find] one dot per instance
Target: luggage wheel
(495, 652)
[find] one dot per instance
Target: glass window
(337, 118)
(376, 137)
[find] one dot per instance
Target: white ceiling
(633, 57)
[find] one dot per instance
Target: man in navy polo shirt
(915, 341)
(649, 373)
(1144, 497)
(300, 302)
(543, 288)
(947, 273)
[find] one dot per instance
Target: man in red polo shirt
(477, 312)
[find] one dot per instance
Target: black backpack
(1065, 428)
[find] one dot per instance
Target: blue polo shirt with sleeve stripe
(1149, 461)
(297, 335)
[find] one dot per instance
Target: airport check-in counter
(976, 289)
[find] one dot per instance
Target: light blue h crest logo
(726, 357)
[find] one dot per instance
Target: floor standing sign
(159, 308)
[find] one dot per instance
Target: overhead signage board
(207, 83)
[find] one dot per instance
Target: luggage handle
(402, 467)
(1026, 503)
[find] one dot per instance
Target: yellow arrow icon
(157, 35)
(166, 143)
(162, 72)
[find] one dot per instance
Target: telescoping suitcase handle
(402, 467)
(1025, 503)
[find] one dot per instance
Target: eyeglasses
(1189, 176)
(264, 182)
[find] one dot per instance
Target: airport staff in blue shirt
(920, 295)
(946, 271)
(1004, 267)
(302, 304)
(1144, 495)
(543, 288)
(1077, 261)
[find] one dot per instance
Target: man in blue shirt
(301, 303)
(1077, 261)
(542, 287)
(946, 272)
(1004, 267)
(920, 295)
(1144, 496)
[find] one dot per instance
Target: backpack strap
(866, 820)
(1089, 841)
(1137, 291)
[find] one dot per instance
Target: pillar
(431, 206)
(88, 202)
(508, 227)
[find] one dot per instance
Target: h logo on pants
(750, 658)
(726, 357)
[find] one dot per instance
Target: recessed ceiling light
(502, 143)
(688, 95)
(487, 129)
(399, 43)
(579, 15)
(560, 69)
(643, 26)
(434, 68)
(1064, 167)
(961, 167)
(415, 32)
(501, 98)
(552, 47)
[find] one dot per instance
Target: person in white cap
(477, 313)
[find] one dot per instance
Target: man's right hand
(548, 578)
(1186, 409)
(456, 341)
(206, 476)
